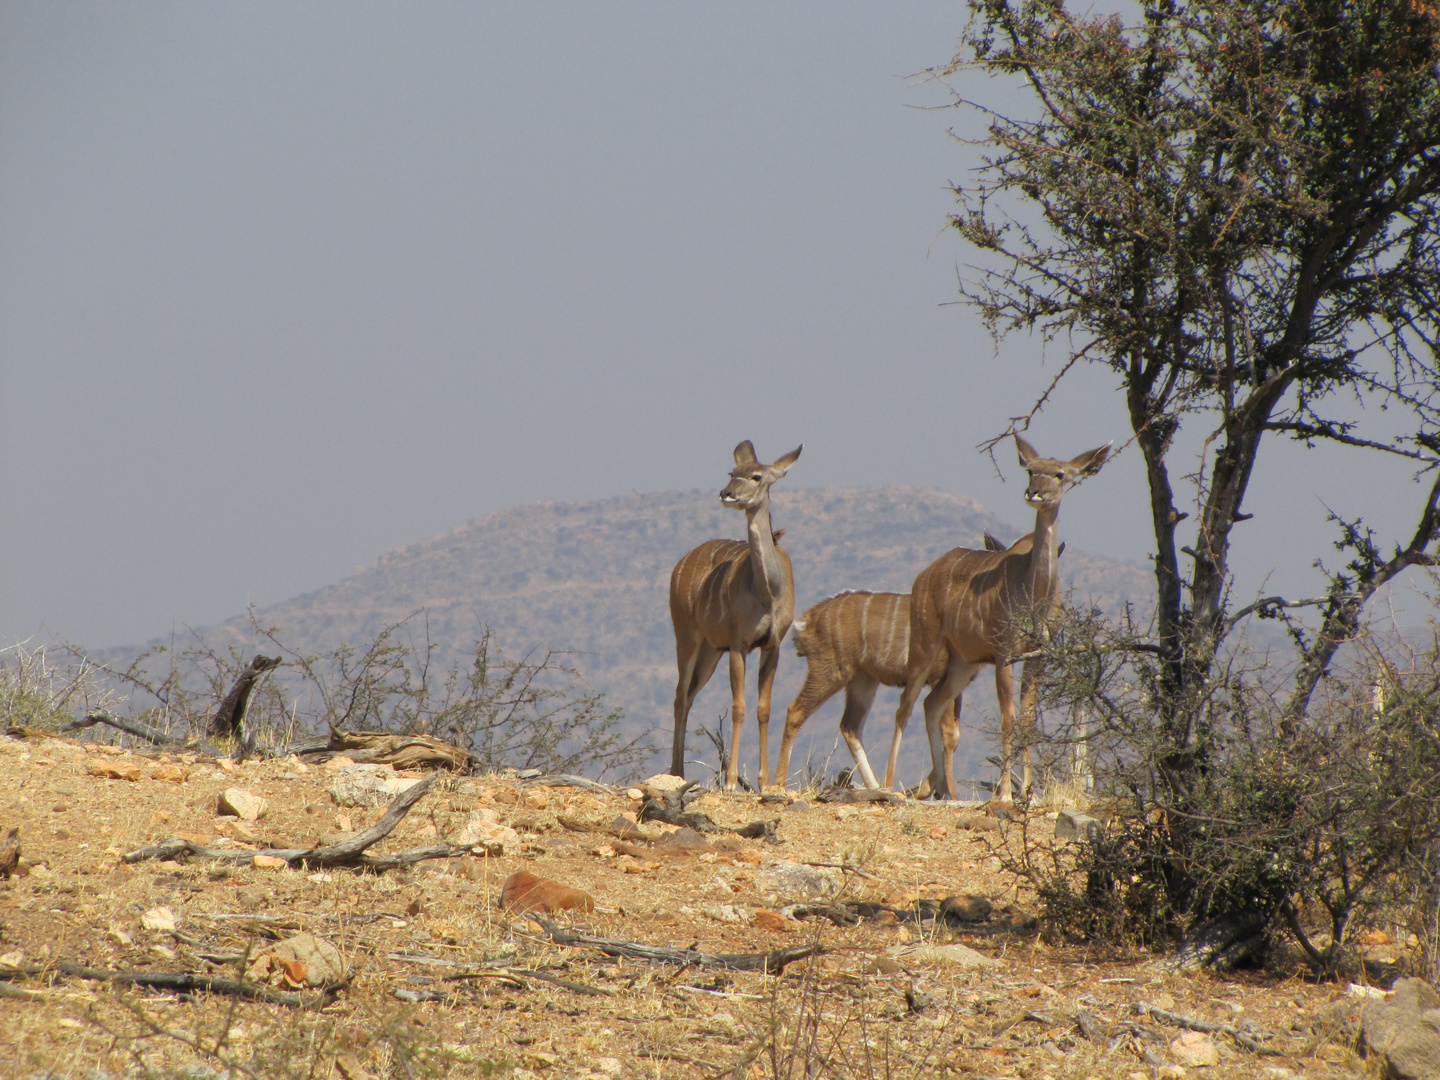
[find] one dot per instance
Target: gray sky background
(285, 285)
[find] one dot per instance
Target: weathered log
(771, 963)
(182, 981)
(229, 719)
(142, 730)
(390, 748)
(348, 853)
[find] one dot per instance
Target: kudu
(970, 608)
(732, 596)
(858, 641)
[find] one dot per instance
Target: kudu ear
(745, 454)
(991, 544)
(1089, 462)
(781, 466)
(1027, 452)
(1060, 550)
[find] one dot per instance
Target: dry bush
(531, 712)
(1254, 822)
(39, 691)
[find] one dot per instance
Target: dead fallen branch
(152, 735)
(669, 808)
(525, 973)
(771, 963)
(565, 780)
(349, 853)
(836, 794)
(229, 719)
(181, 982)
(386, 748)
(1191, 1023)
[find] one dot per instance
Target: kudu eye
(756, 477)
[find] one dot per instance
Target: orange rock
(524, 891)
(772, 920)
(268, 862)
(538, 799)
(173, 774)
(115, 770)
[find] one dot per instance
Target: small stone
(1073, 825)
(957, 956)
(523, 891)
(483, 834)
(368, 785)
(773, 920)
(538, 798)
(322, 961)
(246, 805)
(268, 862)
(1195, 1048)
(662, 784)
(172, 774)
(634, 794)
(609, 1066)
(160, 918)
(979, 823)
(115, 770)
(966, 908)
(799, 881)
(683, 842)
(1404, 1030)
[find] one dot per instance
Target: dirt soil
(512, 1002)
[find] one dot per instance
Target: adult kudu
(971, 608)
(729, 596)
(857, 641)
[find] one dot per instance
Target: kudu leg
(1005, 694)
(950, 736)
(696, 666)
(859, 696)
(943, 736)
(902, 717)
(820, 686)
(769, 661)
(1029, 694)
(737, 716)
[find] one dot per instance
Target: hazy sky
(285, 285)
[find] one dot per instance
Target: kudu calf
(858, 641)
(970, 608)
(729, 596)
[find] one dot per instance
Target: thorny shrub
(1317, 828)
(530, 712)
(39, 692)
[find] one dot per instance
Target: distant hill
(593, 579)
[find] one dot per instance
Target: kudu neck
(764, 558)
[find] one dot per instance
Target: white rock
(246, 805)
(1073, 825)
(958, 956)
(368, 785)
(1194, 1048)
(483, 834)
(160, 918)
(795, 879)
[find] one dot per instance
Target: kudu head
(750, 481)
(1049, 478)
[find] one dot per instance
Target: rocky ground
(443, 981)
